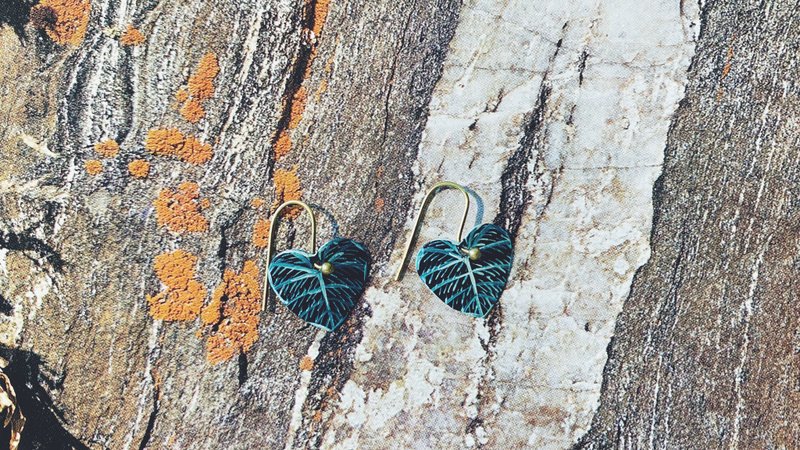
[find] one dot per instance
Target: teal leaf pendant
(464, 279)
(321, 299)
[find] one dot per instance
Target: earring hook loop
(422, 208)
(272, 222)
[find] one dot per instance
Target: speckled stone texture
(642, 155)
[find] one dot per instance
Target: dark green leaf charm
(319, 293)
(471, 275)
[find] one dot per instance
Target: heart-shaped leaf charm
(469, 276)
(322, 288)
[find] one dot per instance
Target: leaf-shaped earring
(467, 275)
(320, 287)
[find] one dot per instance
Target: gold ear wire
(272, 221)
(415, 231)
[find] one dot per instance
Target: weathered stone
(556, 115)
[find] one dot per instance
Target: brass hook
(415, 231)
(272, 221)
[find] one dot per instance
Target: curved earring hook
(272, 221)
(428, 196)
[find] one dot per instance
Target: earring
(320, 287)
(468, 276)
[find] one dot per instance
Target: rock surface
(641, 154)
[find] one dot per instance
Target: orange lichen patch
(261, 233)
(65, 21)
(194, 151)
(257, 202)
(298, 107)
(93, 167)
(212, 313)
(182, 95)
(131, 36)
(175, 269)
(178, 304)
(164, 141)
(287, 187)
(331, 392)
(201, 83)
(107, 149)
(321, 8)
(329, 63)
(139, 168)
(192, 110)
(283, 146)
(306, 363)
(200, 88)
(379, 204)
(317, 12)
(184, 296)
(727, 68)
(181, 211)
(171, 142)
(234, 310)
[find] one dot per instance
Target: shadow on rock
(16, 13)
(44, 422)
